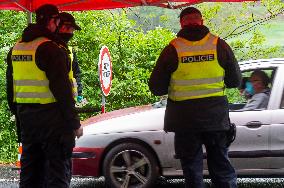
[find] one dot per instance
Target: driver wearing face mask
(66, 29)
(258, 89)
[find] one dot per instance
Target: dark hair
(45, 12)
(263, 76)
(189, 10)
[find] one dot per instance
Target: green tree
(133, 54)
(9, 33)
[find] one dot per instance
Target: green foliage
(8, 144)
(234, 96)
(254, 48)
(133, 54)
(135, 38)
(148, 18)
(9, 33)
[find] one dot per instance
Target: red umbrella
(79, 5)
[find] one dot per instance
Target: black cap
(46, 11)
(189, 10)
(68, 19)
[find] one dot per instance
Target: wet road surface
(10, 178)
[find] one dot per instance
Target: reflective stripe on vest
(71, 73)
(199, 74)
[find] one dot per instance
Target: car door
(251, 143)
(251, 149)
(276, 140)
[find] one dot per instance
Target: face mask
(65, 36)
(249, 88)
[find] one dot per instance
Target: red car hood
(116, 113)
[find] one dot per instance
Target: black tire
(130, 165)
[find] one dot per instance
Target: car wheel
(130, 165)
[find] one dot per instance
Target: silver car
(130, 149)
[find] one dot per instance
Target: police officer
(39, 86)
(67, 26)
(194, 70)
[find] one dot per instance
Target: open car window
(241, 100)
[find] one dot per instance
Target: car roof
(261, 63)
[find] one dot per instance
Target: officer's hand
(81, 101)
(79, 132)
(79, 98)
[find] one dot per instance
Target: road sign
(105, 70)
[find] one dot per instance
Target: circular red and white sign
(105, 70)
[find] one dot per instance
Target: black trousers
(46, 165)
(188, 148)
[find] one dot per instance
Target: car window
(240, 99)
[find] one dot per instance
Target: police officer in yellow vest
(66, 29)
(39, 87)
(194, 70)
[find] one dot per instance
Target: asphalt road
(10, 179)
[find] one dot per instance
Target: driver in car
(259, 91)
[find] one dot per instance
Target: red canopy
(79, 5)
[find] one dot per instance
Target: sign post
(105, 74)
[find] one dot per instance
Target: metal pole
(103, 104)
(29, 17)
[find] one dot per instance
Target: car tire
(130, 165)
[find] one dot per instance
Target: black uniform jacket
(46, 121)
(205, 114)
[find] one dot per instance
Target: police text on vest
(22, 58)
(197, 58)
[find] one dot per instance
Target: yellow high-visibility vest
(71, 73)
(30, 83)
(199, 74)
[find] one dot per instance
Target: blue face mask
(249, 88)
